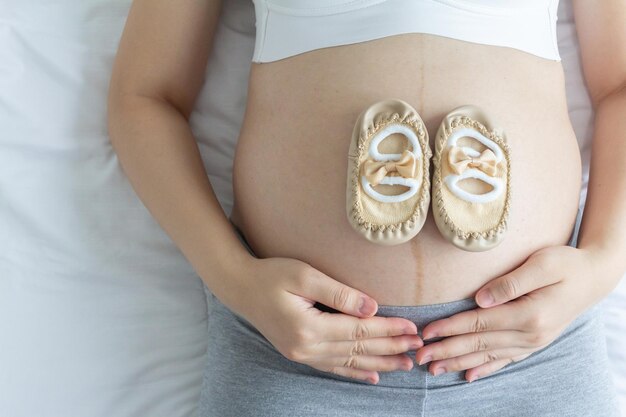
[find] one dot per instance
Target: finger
(528, 277)
(472, 360)
(335, 327)
(471, 342)
(503, 317)
(370, 362)
(332, 293)
(369, 376)
(486, 369)
(491, 367)
(374, 346)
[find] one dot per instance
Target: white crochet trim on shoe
(412, 183)
(497, 184)
(452, 179)
(467, 132)
(390, 130)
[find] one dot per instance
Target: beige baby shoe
(471, 180)
(388, 189)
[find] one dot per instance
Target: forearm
(603, 227)
(159, 155)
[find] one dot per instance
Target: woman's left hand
(529, 308)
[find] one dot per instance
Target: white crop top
(289, 27)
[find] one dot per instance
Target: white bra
(289, 27)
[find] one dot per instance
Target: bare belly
(290, 168)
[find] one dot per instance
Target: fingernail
(426, 359)
(367, 306)
(485, 299)
(474, 378)
(439, 371)
(432, 336)
(371, 380)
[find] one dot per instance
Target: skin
(156, 77)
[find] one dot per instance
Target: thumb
(341, 297)
(500, 290)
(526, 278)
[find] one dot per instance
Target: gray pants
(246, 376)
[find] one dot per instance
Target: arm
(544, 295)
(157, 75)
(601, 28)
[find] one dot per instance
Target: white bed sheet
(100, 315)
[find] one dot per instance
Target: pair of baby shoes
(389, 188)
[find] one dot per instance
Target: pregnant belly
(290, 168)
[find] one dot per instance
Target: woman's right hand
(279, 299)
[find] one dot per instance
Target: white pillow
(100, 314)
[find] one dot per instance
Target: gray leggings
(246, 376)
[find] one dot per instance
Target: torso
(290, 168)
